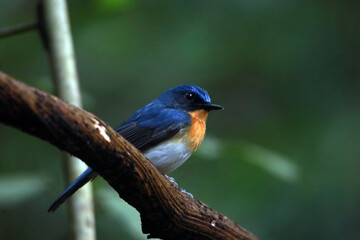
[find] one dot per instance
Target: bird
(167, 131)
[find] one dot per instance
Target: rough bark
(165, 211)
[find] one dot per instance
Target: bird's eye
(189, 97)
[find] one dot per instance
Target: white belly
(168, 155)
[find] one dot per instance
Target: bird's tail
(85, 177)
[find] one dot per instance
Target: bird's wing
(151, 126)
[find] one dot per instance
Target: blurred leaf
(275, 164)
(17, 188)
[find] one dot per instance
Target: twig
(165, 211)
(20, 28)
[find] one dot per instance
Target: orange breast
(198, 127)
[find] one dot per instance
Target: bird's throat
(198, 127)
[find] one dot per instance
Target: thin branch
(165, 211)
(17, 29)
(56, 27)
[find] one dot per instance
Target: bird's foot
(187, 193)
(172, 180)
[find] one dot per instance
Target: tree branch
(165, 211)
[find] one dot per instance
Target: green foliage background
(282, 159)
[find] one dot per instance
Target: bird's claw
(172, 180)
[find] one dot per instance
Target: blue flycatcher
(167, 131)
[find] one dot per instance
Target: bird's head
(188, 98)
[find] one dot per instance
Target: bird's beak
(211, 106)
